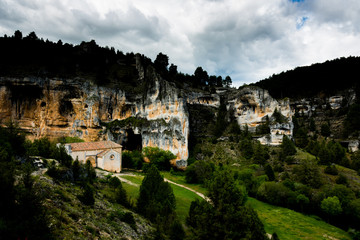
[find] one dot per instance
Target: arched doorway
(92, 161)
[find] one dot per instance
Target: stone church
(103, 154)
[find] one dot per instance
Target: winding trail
(187, 188)
(118, 175)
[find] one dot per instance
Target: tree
(199, 171)
(269, 172)
(201, 77)
(156, 199)
(331, 206)
(87, 197)
(312, 126)
(278, 117)
(18, 35)
(177, 232)
(32, 36)
(260, 154)
(158, 157)
(227, 81)
(287, 147)
(308, 172)
(173, 70)
(302, 201)
(246, 148)
(325, 130)
(219, 81)
(121, 195)
(224, 216)
(161, 62)
(76, 169)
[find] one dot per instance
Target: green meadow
(288, 224)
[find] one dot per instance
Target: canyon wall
(157, 112)
(74, 107)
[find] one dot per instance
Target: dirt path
(187, 188)
(118, 175)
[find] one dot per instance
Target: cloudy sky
(246, 39)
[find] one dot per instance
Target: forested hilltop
(24, 56)
(308, 81)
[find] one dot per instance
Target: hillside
(327, 78)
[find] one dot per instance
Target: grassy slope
(70, 219)
(288, 224)
(292, 225)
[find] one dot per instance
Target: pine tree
(224, 216)
(287, 147)
(156, 198)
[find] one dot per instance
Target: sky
(249, 40)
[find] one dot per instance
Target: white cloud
(248, 40)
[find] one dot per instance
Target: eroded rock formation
(74, 107)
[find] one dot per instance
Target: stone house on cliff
(103, 154)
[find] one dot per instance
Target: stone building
(103, 154)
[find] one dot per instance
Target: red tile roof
(88, 146)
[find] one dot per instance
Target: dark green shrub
(121, 195)
(199, 171)
(341, 179)
(160, 158)
(269, 172)
(332, 170)
(128, 217)
(287, 147)
(87, 197)
(177, 231)
(114, 182)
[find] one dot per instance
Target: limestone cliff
(158, 113)
(75, 107)
(252, 105)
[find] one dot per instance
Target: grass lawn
(288, 224)
(292, 225)
(134, 179)
(132, 191)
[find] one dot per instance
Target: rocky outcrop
(75, 107)
(253, 105)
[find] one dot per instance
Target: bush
(132, 159)
(269, 172)
(114, 182)
(331, 206)
(308, 172)
(160, 158)
(325, 130)
(128, 217)
(199, 172)
(121, 195)
(332, 170)
(177, 231)
(287, 147)
(87, 197)
(277, 194)
(341, 179)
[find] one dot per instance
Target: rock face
(353, 145)
(157, 115)
(252, 105)
(73, 107)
